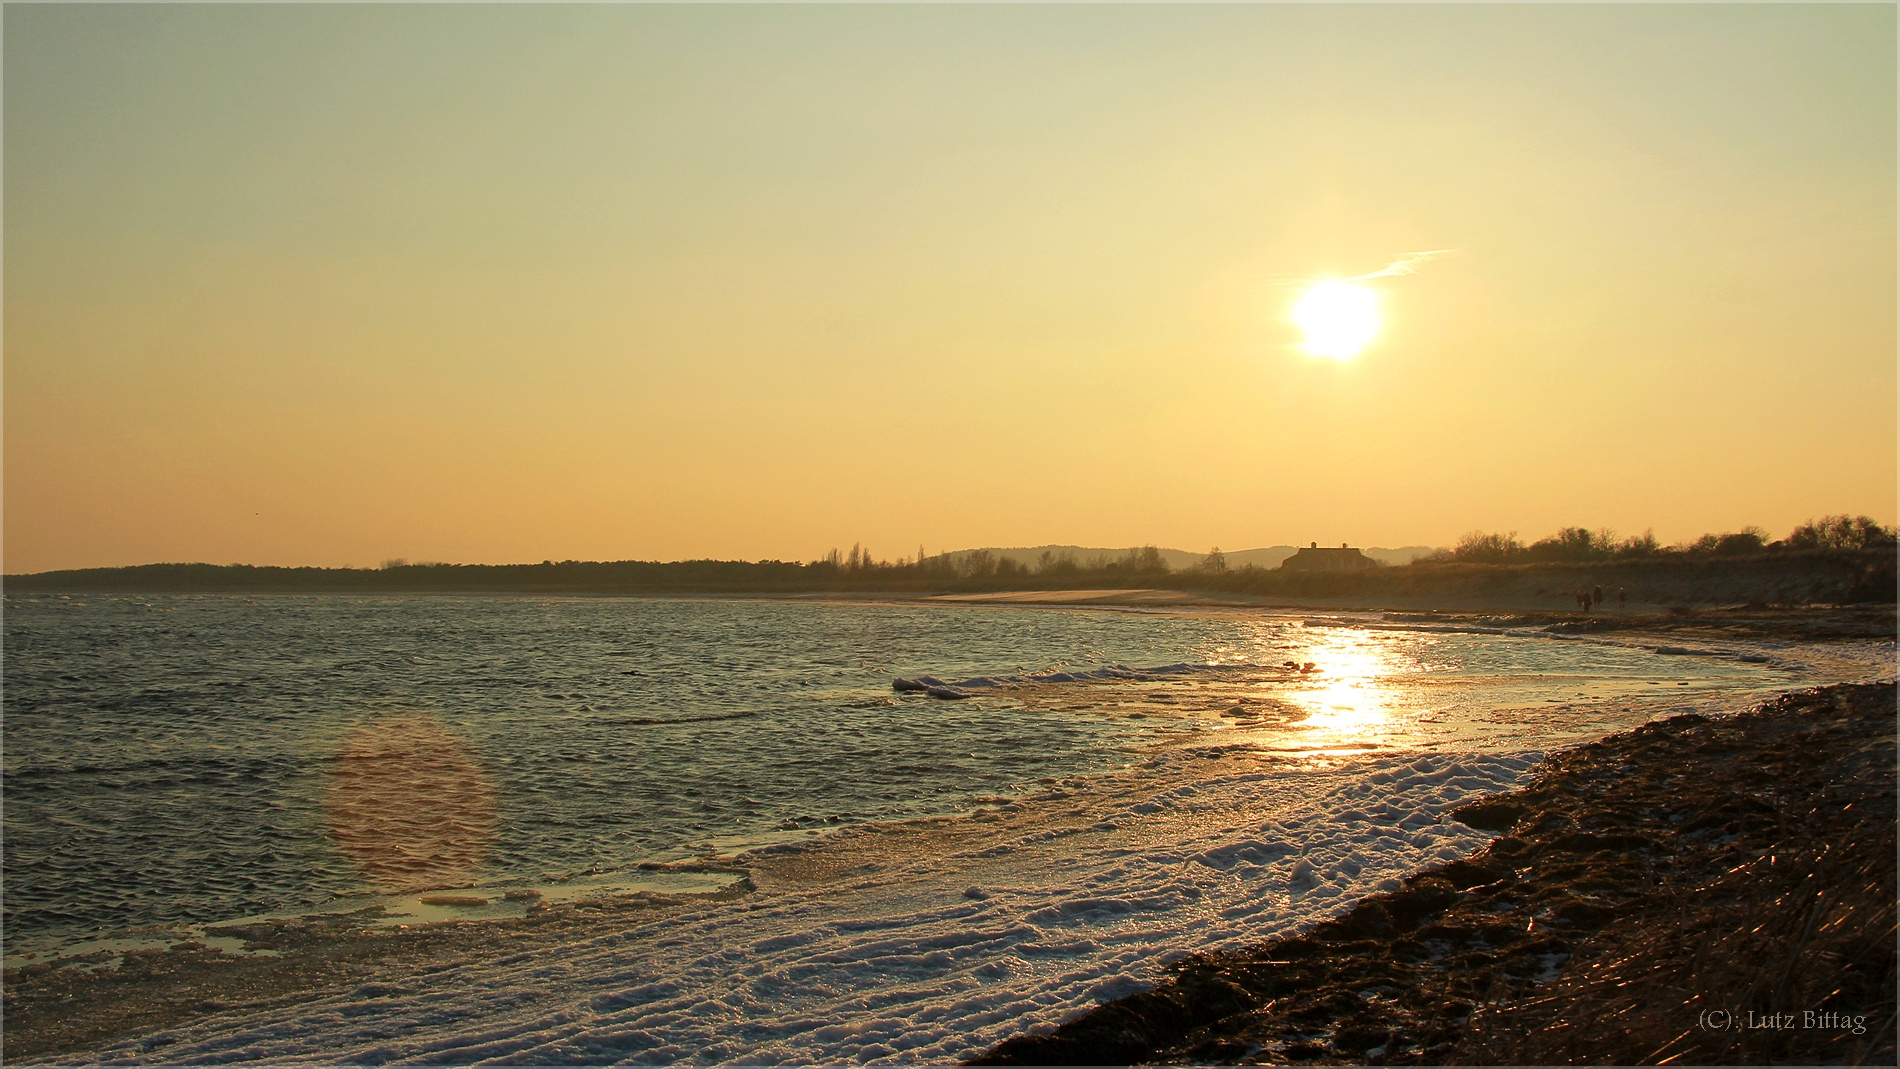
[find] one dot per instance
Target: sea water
(185, 760)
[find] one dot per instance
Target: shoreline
(1650, 896)
(339, 956)
(1823, 619)
(1817, 623)
(1039, 887)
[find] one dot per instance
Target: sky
(329, 285)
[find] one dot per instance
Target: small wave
(1747, 656)
(1434, 629)
(643, 721)
(963, 688)
(170, 771)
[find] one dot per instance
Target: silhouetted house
(1315, 559)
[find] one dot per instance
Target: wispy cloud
(1405, 263)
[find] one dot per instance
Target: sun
(1339, 318)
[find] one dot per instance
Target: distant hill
(1180, 559)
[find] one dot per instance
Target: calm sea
(180, 760)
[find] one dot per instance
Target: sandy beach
(1695, 891)
(932, 940)
(924, 941)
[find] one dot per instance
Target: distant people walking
(1596, 595)
(1583, 600)
(1622, 598)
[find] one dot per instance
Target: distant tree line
(1575, 544)
(860, 570)
(984, 564)
(856, 570)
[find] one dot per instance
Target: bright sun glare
(1339, 318)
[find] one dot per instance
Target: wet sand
(54, 1009)
(82, 1004)
(1032, 907)
(1699, 891)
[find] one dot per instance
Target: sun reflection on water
(1350, 702)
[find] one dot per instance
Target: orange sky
(328, 285)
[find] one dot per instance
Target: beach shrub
(1642, 545)
(1740, 543)
(1146, 560)
(1572, 544)
(978, 564)
(1842, 532)
(1054, 564)
(1477, 547)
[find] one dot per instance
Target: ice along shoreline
(1040, 939)
(1651, 895)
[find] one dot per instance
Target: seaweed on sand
(1650, 891)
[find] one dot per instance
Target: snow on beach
(1253, 800)
(925, 942)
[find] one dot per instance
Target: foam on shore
(1056, 902)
